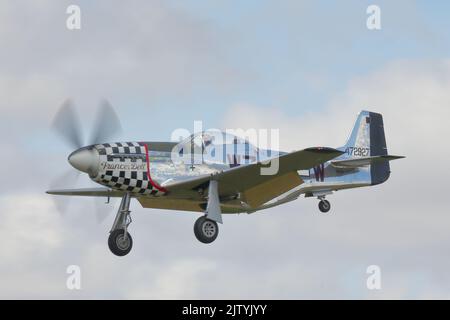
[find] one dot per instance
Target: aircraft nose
(85, 160)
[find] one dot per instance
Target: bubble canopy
(214, 137)
(216, 146)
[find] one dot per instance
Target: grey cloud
(139, 48)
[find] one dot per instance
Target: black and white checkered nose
(85, 160)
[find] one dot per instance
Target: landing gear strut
(206, 230)
(324, 205)
(120, 241)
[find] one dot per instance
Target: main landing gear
(206, 230)
(120, 241)
(324, 205)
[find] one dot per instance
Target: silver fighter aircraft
(216, 173)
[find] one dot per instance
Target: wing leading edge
(87, 192)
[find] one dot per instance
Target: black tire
(206, 230)
(117, 245)
(324, 206)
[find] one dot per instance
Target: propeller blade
(67, 125)
(106, 125)
(67, 180)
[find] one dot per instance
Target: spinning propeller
(66, 123)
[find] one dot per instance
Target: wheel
(205, 230)
(118, 245)
(324, 206)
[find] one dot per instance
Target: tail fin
(367, 140)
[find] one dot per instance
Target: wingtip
(52, 192)
(391, 157)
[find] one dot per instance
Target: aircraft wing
(248, 179)
(351, 164)
(88, 192)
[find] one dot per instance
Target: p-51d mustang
(218, 173)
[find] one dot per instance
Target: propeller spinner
(85, 160)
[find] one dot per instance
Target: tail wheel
(324, 206)
(206, 230)
(119, 244)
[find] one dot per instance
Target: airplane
(216, 173)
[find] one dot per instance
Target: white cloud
(32, 232)
(393, 219)
(146, 49)
(181, 280)
(29, 226)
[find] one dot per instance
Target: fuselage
(149, 170)
(144, 168)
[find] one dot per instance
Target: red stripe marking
(154, 184)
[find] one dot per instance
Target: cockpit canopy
(217, 138)
(218, 147)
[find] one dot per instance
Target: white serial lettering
(247, 310)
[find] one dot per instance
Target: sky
(303, 67)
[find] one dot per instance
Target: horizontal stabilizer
(354, 163)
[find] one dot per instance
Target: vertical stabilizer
(368, 139)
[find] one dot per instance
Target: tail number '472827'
(358, 151)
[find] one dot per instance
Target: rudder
(380, 171)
